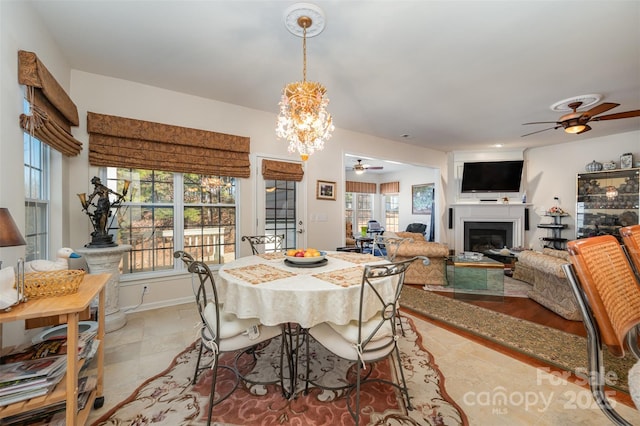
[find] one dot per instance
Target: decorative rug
(554, 347)
(169, 398)
(512, 288)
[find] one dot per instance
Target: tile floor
(475, 375)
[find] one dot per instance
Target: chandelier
(303, 119)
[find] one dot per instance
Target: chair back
(374, 226)
(609, 287)
(387, 306)
(417, 228)
(207, 300)
(388, 246)
(264, 243)
(631, 239)
(184, 256)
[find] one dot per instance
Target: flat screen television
(492, 176)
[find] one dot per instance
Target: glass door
(281, 210)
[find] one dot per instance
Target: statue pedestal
(107, 260)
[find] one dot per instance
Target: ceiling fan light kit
(576, 121)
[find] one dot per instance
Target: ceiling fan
(360, 168)
(576, 122)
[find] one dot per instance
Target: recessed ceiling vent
(587, 100)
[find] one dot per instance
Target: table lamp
(9, 233)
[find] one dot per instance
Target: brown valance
(390, 188)
(52, 112)
(361, 187)
(282, 170)
(126, 142)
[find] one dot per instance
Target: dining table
(274, 290)
(298, 296)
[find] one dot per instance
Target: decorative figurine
(101, 211)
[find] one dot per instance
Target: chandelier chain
(304, 52)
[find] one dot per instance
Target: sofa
(551, 288)
(418, 273)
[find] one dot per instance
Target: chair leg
(197, 371)
(214, 377)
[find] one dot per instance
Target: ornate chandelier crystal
(303, 119)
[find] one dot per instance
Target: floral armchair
(418, 273)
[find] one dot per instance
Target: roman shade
(282, 170)
(361, 187)
(126, 142)
(52, 112)
(390, 188)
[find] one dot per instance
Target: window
(358, 209)
(36, 190)
(391, 212)
(201, 208)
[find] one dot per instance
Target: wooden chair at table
(609, 298)
(631, 239)
(259, 243)
(366, 340)
(221, 332)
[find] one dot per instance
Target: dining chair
(264, 243)
(631, 240)
(366, 340)
(388, 248)
(221, 332)
(608, 295)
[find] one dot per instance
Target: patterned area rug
(170, 399)
(563, 350)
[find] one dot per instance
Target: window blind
(126, 142)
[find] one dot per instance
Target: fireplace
(493, 226)
(483, 236)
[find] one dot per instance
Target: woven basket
(52, 283)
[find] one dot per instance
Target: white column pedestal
(107, 260)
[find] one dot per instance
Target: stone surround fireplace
(479, 227)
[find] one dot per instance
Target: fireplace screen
(483, 236)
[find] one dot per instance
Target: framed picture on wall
(422, 198)
(325, 190)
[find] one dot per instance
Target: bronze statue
(100, 236)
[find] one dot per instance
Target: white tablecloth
(264, 287)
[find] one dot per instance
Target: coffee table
(478, 279)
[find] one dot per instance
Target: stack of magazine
(30, 378)
(34, 370)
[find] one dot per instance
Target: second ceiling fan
(576, 122)
(360, 168)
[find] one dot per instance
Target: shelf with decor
(554, 239)
(607, 200)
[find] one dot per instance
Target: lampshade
(9, 233)
(303, 119)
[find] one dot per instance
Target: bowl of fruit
(304, 256)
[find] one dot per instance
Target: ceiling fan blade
(586, 129)
(539, 131)
(599, 109)
(627, 114)
(373, 167)
(541, 122)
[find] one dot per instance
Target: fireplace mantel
(488, 212)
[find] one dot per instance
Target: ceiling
(450, 75)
